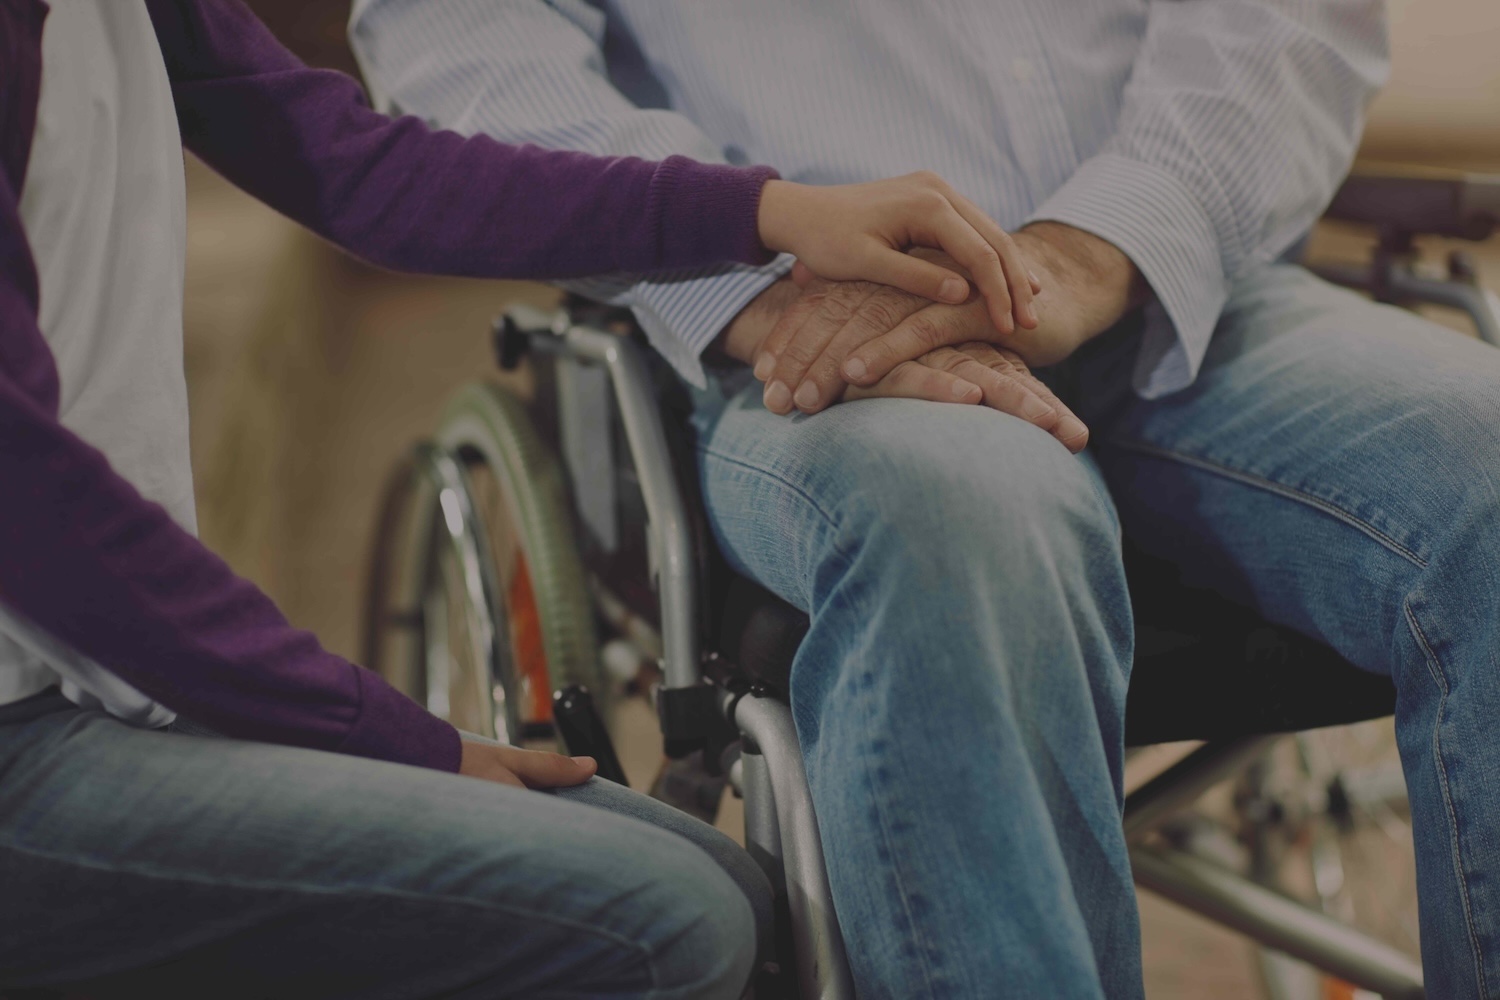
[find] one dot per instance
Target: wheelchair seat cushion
(1205, 669)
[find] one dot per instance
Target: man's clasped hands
(1043, 291)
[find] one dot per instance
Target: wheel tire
(520, 499)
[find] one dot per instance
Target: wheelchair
(530, 543)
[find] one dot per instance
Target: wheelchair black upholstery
(1204, 668)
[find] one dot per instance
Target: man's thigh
(964, 488)
(1331, 455)
(166, 862)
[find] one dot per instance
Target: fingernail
(855, 369)
(1034, 409)
(1034, 279)
(585, 761)
(764, 366)
(952, 290)
(778, 398)
(1028, 314)
(962, 389)
(807, 396)
(1070, 428)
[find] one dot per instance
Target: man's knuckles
(881, 313)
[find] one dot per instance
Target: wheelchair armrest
(1409, 201)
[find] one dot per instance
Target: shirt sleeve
(410, 197)
(1239, 121)
(91, 563)
(529, 71)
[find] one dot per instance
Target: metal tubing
(465, 534)
(762, 835)
(1180, 785)
(668, 528)
(822, 967)
(1480, 304)
(1277, 922)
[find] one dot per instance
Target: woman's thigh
(145, 861)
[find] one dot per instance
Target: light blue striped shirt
(1201, 137)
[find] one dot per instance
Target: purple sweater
(84, 556)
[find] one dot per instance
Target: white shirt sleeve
(533, 71)
(1240, 119)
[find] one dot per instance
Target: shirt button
(1022, 69)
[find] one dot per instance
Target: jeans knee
(714, 952)
(973, 491)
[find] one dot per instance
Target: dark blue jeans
(140, 863)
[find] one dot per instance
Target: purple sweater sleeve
(86, 557)
(411, 198)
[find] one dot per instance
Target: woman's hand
(861, 231)
(523, 768)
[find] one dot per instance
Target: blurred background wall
(310, 373)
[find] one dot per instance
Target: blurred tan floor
(309, 374)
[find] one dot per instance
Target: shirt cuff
(1155, 220)
(392, 727)
(682, 313)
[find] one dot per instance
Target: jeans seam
(1280, 489)
(150, 872)
(913, 930)
(1435, 669)
(831, 521)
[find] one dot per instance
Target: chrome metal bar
(669, 532)
(668, 528)
(464, 532)
(1480, 304)
(1180, 785)
(1277, 922)
(762, 835)
(822, 967)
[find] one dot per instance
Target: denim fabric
(141, 863)
(960, 695)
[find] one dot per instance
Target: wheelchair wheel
(1326, 820)
(477, 604)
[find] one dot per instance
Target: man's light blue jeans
(960, 695)
(151, 864)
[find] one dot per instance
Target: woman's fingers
(548, 770)
(920, 277)
(992, 260)
(1021, 282)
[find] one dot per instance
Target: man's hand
(1006, 384)
(523, 768)
(977, 373)
(1088, 284)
